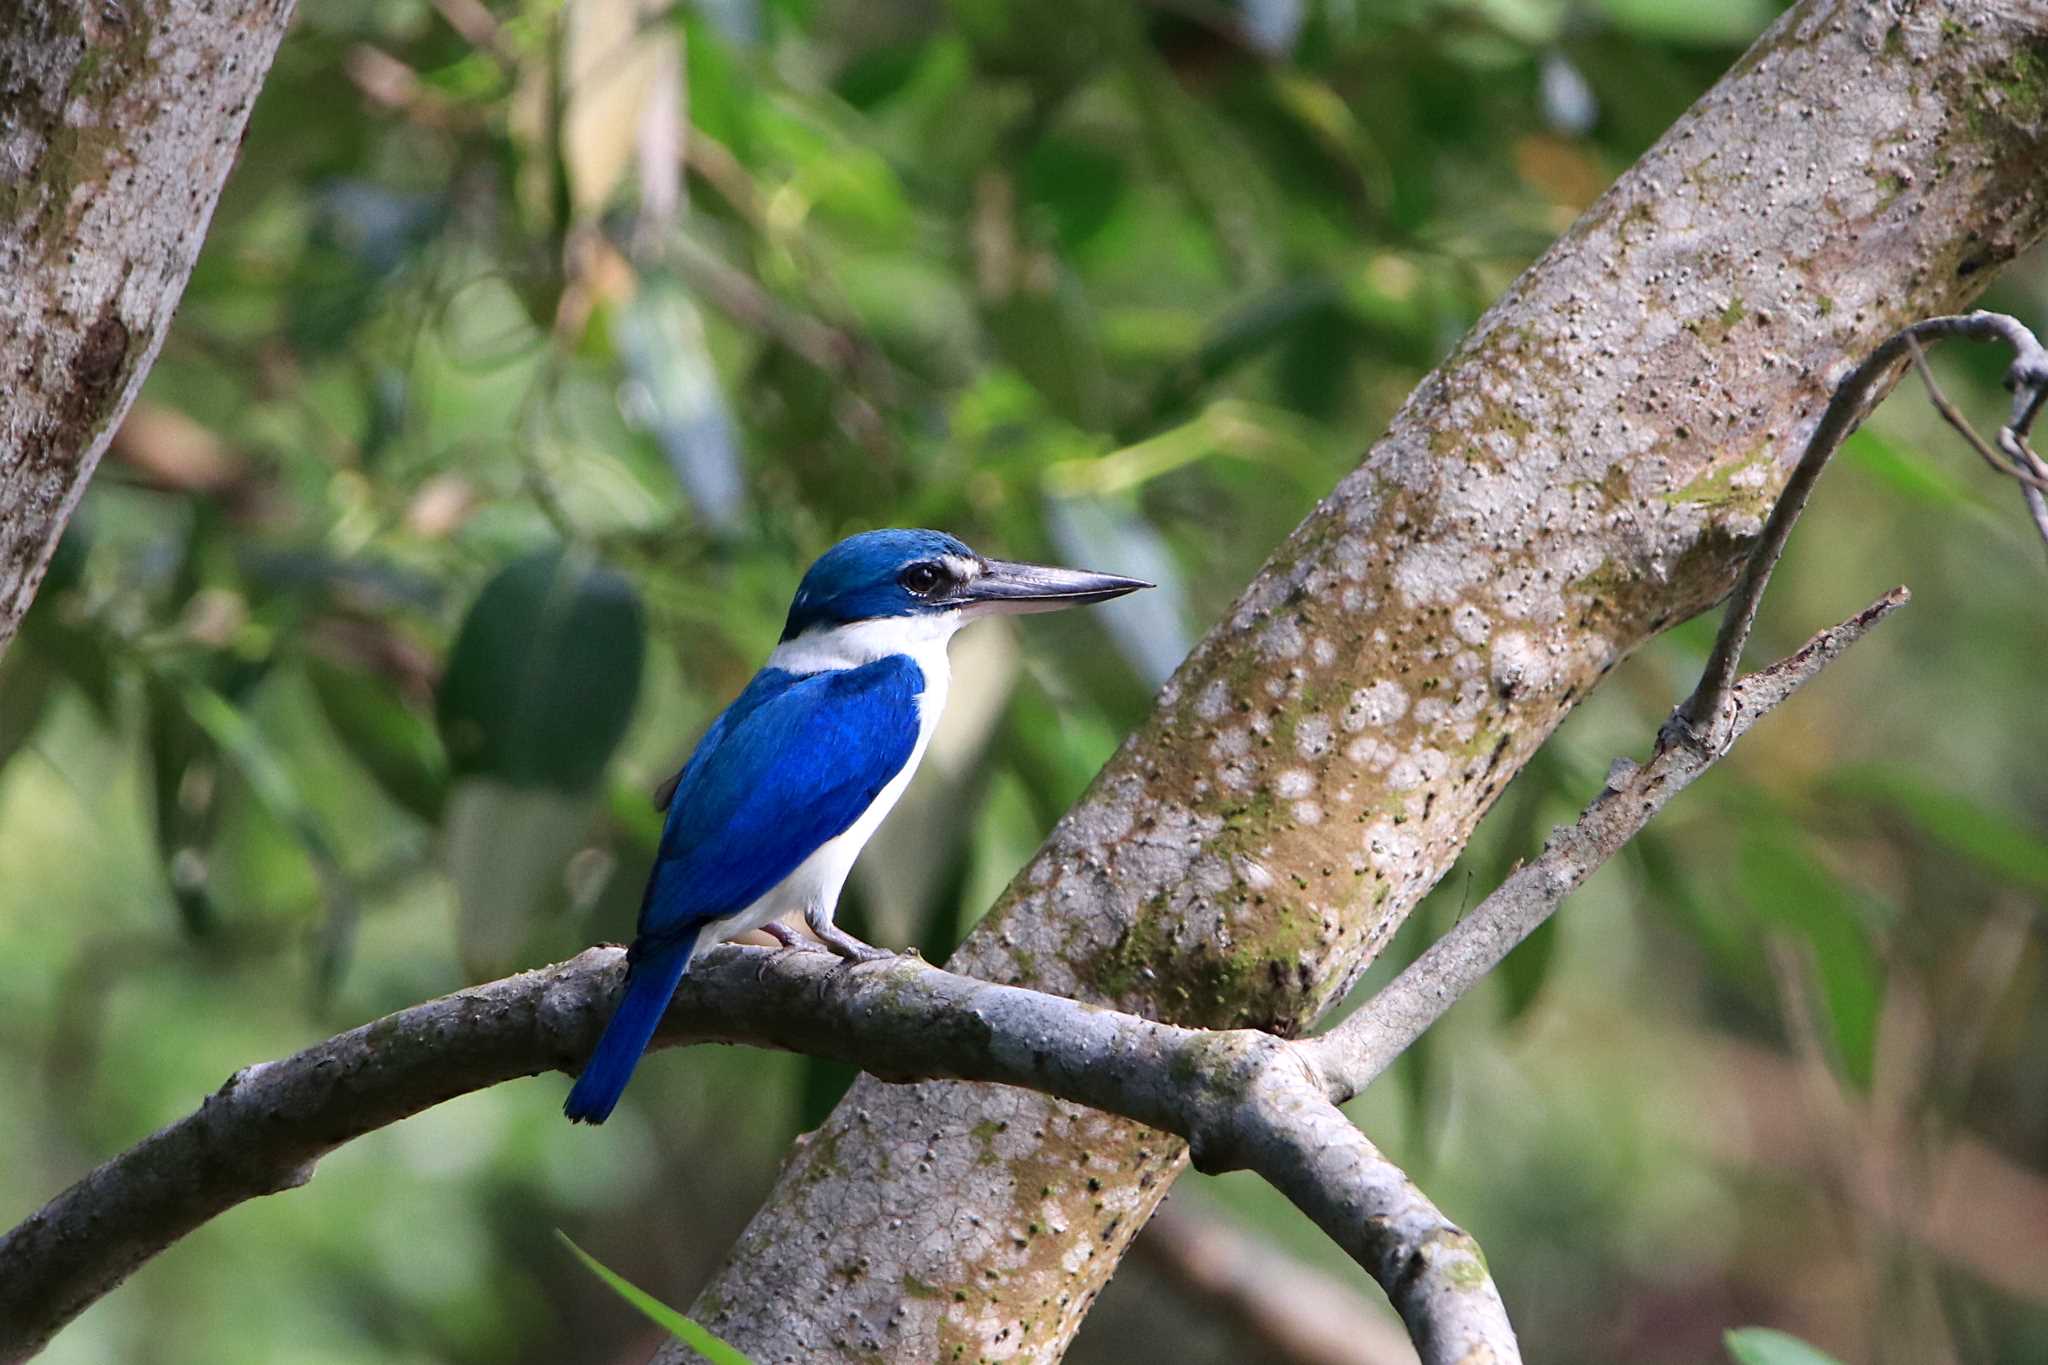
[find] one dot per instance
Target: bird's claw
(791, 941)
(851, 949)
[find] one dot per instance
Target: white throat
(923, 638)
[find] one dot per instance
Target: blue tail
(649, 983)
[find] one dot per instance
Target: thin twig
(1954, 417)
(1702, 717)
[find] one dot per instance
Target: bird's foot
(791, 941)
(786, 936)
(849, 947)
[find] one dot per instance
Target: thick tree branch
(120, 123)
(1241, 1098)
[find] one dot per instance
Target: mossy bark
(1586, 469)
(118, 124)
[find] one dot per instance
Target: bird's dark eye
(922, 579)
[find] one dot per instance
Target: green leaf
(1076, 183)
(1704, 23)
(1767, 1346)
(229, 732)
(1791, 890)
(1526, 968)
(184, 782)
(395, 745)
(1043, 327)
(691, 1334)
(544, 673)
(2005, 847)
(27, 677)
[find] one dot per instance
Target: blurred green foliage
(533, 352)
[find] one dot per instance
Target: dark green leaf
(1791, 891)
(396, 745)
(27, 676)
(184, 784)
(2005, 847)
(542, 680)
(1042, 326)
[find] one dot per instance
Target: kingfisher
(768, 814)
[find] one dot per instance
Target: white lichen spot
(1322, 651)
(1471, 624)
(1295, 782)
(1381, 704)
(1308, 812)
(1519, 664)
(1437, 573)
(1472, 698)
(1354, 556)
(1351, 599)
(1282, 640)
(1313, 736)
(1388, 844)
(1431, 712)
(1419, 765)
(1214, 701)
(1369, 751)
(1254, 876)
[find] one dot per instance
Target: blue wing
(791, 764)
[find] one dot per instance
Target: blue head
(882, 574)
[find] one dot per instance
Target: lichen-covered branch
(1241, 1099)
(1588, 467)
(118, 124)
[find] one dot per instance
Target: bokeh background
(534, 351)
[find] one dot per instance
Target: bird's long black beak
(1004, 587)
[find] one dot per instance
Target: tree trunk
(1586, 469)
(119, 120)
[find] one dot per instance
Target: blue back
(790, 765)
(855, 580)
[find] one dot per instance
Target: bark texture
(1586, 469)
(118, 124)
